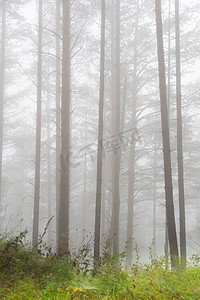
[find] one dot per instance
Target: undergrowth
(31, 274)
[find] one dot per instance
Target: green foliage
(17, 258)
(81, 258)
(28, 274)
(36, 272)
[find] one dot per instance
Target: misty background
(131, 127)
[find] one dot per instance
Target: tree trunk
(166, 141)
(103, 210)
(65, 135)
(113, 109)
(131, 171)
(2, 85)
(38, 133)
(100, 139)
(154, 196)
(57, 117)
(180, 139)
(49, 166)
(116, 131)
(84, 203)
(166, 246)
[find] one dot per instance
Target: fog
(82, 129)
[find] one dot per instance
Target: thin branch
(78, 35)
(53, 32)
(26, 73)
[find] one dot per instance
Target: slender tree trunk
(113, 106)
(57, 117)
(38, 133)
(169, 60)
(180, 139)
(154, 197)
(2, 85)
(103, 211)
(109, 218)
(116, 131)
(131, 185)
(84, 203)
(131, 172)
(123, 110)
(65, 135)
(22, 198)
(84, 196)
(166, 141)
(49, 166)
(100, 139)
(166, 246)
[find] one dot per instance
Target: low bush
(29, 274)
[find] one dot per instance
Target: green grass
(27, 274)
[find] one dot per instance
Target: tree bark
(103, 210)
(131, 171)
(49, 166)
(116, 131)
(38, 133)
(57, 118)
(2, 85)
(100, 139)
(180, 139)
(154, 196)
(166, 141)
(65, 135)
(166, 246)
(84, 203)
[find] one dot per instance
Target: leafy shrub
(18, 260)
(27, 274)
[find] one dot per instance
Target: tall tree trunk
(49, 166)
(131, 171)
(57, 117)
(65, 135)
(84, 203)
(113, 109)
(166, 245)
(154, 196)
(169, 60)
(180, 139)
(100, 139)
(2, 85)
(115, 132)
(131, 186)
(166, 141)
(38, 133)
(123, 109)
(103, 210)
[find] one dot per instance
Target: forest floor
(27, 274)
